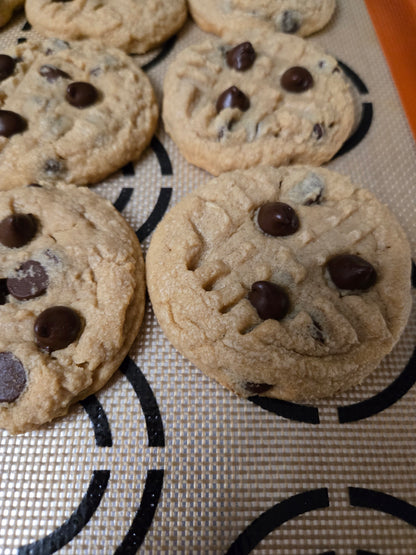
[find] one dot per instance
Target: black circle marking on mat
(384, 503)
(76, 522)
(128, 170)
(166, 48)
(356, 79)
(27, 26)
(413, 278)
(363, 552)
(156, 215)
(162, 156)
(123, 198)
(286, 409)
(95, 411)
(144, 515)
(360, 132)
(276, 516)
(21, 40)
(154, 423)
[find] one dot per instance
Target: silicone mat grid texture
(164, 460)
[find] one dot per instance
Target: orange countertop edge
(395, 25)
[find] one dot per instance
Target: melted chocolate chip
(290, 21)
(81, 95)
(318, 131)
(232, 98)
(53, 73)
(296, 79)
(17, 230)
(3, 291)
(257, 388)
(349, 271)
(30, 281)
(270, 300)
(7, 65)
(241, 57)
(277, 219)
(56, 328)
(12, 377)
(11, 123)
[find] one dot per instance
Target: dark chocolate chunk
(3, 291)
(53, 73)
(277, 219)
(11, 123)
(17, 230)
(81, 94)
(12, 377)
(241, 57)
(30, 281)
(270, 300)
(7, 65)
(257, 388)
(232, 98)
(296, 79)
(56, 328)
(318, 131)
(349, 271)
(290, 21)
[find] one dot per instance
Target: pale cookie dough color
(292, 282)
(7, 8)
(266, 98)
(132, 25)
(301, 17)
(73, 112)
(71, 299)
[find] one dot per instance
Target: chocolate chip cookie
(268, 98)
(301, 17)
(132, 25)
(64, 115)
(7, 8)
(71, 299)
(291, 283)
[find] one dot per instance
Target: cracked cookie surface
(291, 282)
(132, 25)
(71, 299)
(301, 17)
(64, 116)
(264, 98)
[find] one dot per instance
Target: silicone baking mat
(165, 460)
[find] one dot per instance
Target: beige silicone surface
(222, 462)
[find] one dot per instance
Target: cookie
(64, 115)
(72, 299)
(270, 99)
(132, 25)
(285, 16)
(7, 8)
(291, 283)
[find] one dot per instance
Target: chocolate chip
(53, 73)
(11, 123)
(277, 219)
(35, 185)
(3, 291)
(53, 167)
(316, 332)
(81, 95)
(257, 388)
(17, 230)
(30, 281)
(12, 377)
(56, 328)
(309, 191)
(270, 300)
(349, 271)
(290, 21)
(7, 65)
(232, 98)
(241, 57)
(318, 131)
(296, 79)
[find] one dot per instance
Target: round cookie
(64, 115)
(7, 8)
(301, 17)
(291, 282)
(269, 98)
(72, 299)
(132, 25)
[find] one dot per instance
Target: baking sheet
(164, 460)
